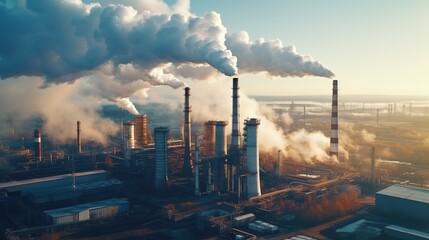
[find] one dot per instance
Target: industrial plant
(212, 182)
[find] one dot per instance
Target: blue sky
(373, 47)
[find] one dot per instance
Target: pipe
(79, 146)
(187, 168)
(197, 165)
(334, 121)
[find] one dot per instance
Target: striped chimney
(334, 120)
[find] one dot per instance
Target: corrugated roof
(406, 192)
(45, 179)
(82, 207)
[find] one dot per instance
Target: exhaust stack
(37, 145)
(187, 165)
(78, 142)
(234, 155)
(334, 120)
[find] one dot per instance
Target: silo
(252, 156)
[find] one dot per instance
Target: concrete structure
(37, 145)
(89, 211)
(403, 201)
(187, 165)
(252, 156)
(129, 141)
(78, 141)
(334, 120)
(161, 155)
(220, 152)
(141, 131)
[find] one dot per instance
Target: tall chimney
(37, 145)
(234, 156)
(372, 180)
(187, 168)
(252, 155)
(79, 145)
(334, 120)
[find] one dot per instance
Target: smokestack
(235, 136)
(161, 154)
(373, 180)
(279, 164)
(37, 145)
(378, 114)
(78, 143)
(220, 150)
(128, 135)
(187, 168)
(334, 120)
(252, 155)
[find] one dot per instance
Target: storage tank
(129, 141)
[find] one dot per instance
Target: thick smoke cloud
(118, 50)
(273, 58)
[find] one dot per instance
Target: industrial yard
(209, 184)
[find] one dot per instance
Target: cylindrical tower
(37, 145)
(129, 141)
(161, 154)
(197, 166)
(234, 151)
(187, 165)
(334, 120)
(141, 131)
(209, 138)
(78, 142)
(252, 156)
(220, 150)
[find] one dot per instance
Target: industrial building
(406, 202)
(89, 211)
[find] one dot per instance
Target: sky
(372, 47)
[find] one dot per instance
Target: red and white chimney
(334, 120)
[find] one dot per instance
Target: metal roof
(412, 232)
(406, 192)
(46, 179)
(87, 206)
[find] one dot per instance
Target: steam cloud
(115, 50)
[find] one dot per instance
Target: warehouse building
(403, 201)
(89, 211)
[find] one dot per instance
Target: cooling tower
(78, 142)
(252, 156)
(187, 165)
(220, 150)
(161, 154)
(37, 145)
(334, 120)
(141, 131)
(129, 142)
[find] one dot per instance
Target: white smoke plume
(272, 57)
(308, 146)
(58, 106)
(118, 50)
(367, 136)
